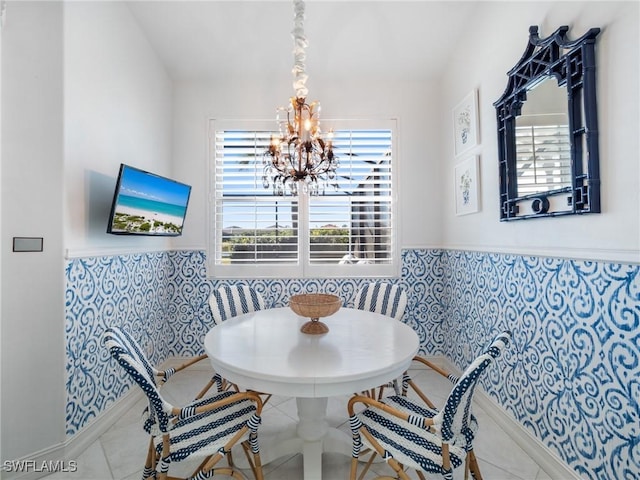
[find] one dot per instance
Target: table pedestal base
(312, 437)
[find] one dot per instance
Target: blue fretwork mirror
(548, 129)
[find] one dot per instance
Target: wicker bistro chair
(206, 428)
(387, 299)
(228, 302)
(231, 301)
(384, 298)
(408, 434)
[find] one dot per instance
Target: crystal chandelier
(299, 157)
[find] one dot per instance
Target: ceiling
(205, 40)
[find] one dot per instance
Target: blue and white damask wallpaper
(571, 375)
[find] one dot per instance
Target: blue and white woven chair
(205, 429)
(387, 299)
(410, 434)
(233, 300)
(230, 301)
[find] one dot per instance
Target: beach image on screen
(149, 204)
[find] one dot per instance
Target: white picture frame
(465, 123)
(467, 185)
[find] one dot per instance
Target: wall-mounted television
(147, 204)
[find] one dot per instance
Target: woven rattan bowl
(315, 306)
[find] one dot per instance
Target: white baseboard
(73, 447)
(546, 459)
(30, 467)
(538, 451)
(61, 455)
(92, 432)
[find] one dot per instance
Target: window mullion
(257, 234)
(304, 223)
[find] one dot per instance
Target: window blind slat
(543, 159)
(255, 227)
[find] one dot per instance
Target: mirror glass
(543, 147)
(548, 129)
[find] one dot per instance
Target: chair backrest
(456, 417)
(127, 352)
(232, 300)
(385, 298)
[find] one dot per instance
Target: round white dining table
(267, 352)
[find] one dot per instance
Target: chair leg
(205, 389)
(401, 474)
(397, 468)
(446, 460)
(255, 463)
(227, 471)
(165, 454)
(466, 467)
(212, 461)
(473, 465)
(150, 462)
(354, 469)
(201, 466)
(372, 456)
(353, 474)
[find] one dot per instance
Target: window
(347, 231)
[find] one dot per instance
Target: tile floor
(120, 452)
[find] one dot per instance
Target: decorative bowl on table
(315, 306)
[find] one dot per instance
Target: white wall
(488, 48)
(2, 243)
(414, 103)
(32, 283)
(82, 91)
(502, 29)
(117, 110)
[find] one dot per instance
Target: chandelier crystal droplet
(299, 157)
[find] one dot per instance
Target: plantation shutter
(256, 226)
(346, 230)
(543, 158)
(353, 223)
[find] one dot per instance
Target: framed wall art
(465, 123)
(467, 185)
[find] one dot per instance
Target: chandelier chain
(300, 153)
(300, 43)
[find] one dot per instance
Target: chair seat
(412, 445)
(411, 434)
(405, 405)
(205, 434)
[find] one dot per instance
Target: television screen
(147, 204)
